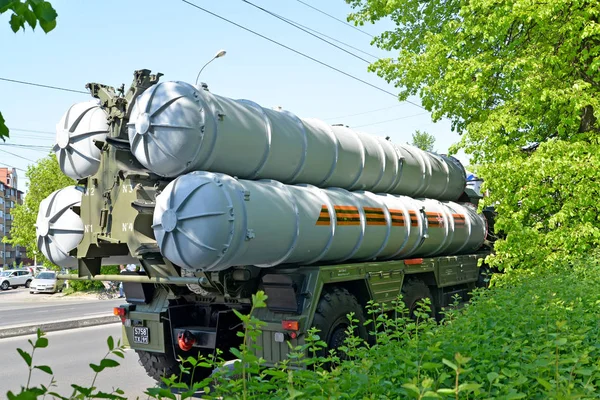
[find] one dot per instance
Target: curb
(57, 326)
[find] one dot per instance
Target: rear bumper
(155, 340)
(208, 327)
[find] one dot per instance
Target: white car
(46, 282)
(15, 278)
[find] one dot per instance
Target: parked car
(15, 278)
(46, 282)
(35, 269)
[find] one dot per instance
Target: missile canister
(59, 229)
(209, 222)
(75, 150)
(175, 128)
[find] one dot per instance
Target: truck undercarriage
(163, 321)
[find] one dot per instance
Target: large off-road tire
(158, 365)
(332, 321)
(413, 291)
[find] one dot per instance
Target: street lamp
(221, 53)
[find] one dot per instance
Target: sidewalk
(74, 323)
(22, 313)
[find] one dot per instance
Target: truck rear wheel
(165, 364)
(158, 365)
(332, 321)
(413, 291)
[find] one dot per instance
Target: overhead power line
(16, 155)
(389, 120)
(11, 166)
(331, 38)
(44, 86)
(298, 52)
(40, 136)
(297, 26)
(337, 19)
(32, 131)
(44, 149)
(46, 139)
(25, 145)
(31, 146)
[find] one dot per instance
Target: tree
(519, 81)
(44, 178)
(31, 12)
(423, 140)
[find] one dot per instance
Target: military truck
(217, 199)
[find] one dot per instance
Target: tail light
(290, 325)
(121, 312)
(293, 326)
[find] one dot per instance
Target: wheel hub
(337, 337)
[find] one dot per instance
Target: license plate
(141, 334)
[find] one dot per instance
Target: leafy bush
(532, 336)
(79, 392)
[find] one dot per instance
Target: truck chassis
(162, 322)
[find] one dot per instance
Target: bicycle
(110, 290)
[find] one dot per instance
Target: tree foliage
(423, 140)
(29, 12)
(509, 75)
(44, 178)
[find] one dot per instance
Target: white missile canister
(175, 128)
(76, 132)
(59, 229)
(205, 221)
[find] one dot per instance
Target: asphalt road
(19, 307)
(69, 354)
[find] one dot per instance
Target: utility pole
(4, 230)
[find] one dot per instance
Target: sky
(106, 41)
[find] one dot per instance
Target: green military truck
(216, 199)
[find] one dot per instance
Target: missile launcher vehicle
(216, 199)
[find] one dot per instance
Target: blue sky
(105, 41)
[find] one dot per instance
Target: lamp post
(219, 54)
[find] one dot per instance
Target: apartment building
(10, 196)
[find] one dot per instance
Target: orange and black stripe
(324, 218)
(347, 215)
(374, 216)
(414, 218)
(434, 219)
(459, 220)
(397, 217)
